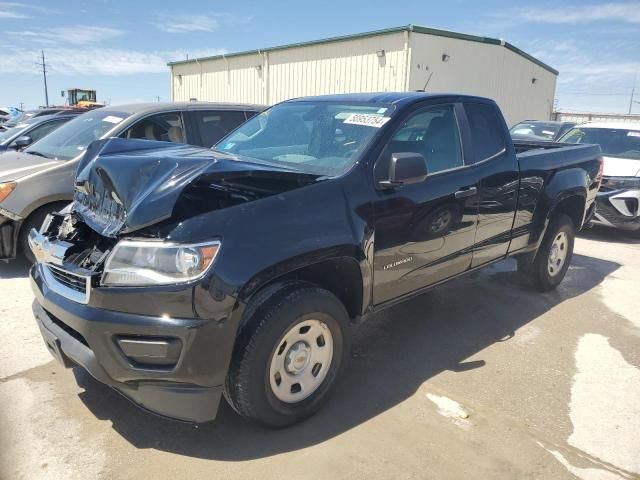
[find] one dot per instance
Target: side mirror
(22, 142)
(406, 168)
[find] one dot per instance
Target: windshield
(614, 142)
(73, 138)
(323, 138)
(539, 129)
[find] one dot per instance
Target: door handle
(466, 192)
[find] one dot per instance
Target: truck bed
(553, 155)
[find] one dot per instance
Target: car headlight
(6, 189)
(622, 183)
(144, 263)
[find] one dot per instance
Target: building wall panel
(482, 69)
(353, 65)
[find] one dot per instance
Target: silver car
(39, 180)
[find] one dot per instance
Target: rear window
(486, 130)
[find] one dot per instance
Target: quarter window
(487, 133)
(433, 133)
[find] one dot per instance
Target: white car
(618, 202)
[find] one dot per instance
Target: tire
(552, 259)
(271, 347)
(35, 220)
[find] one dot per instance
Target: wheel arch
(342, 275)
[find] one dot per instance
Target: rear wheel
(552, 260)
(285, 365)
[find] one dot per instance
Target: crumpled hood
(619, 167)
(124, 185)
(15, 165)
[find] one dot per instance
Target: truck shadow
(393, 354)
(18, 268)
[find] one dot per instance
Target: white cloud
(186, 23)
(576, 14)
(9, 14)
(182, 23)
(96, 61)
(78, 35)
(15, 10)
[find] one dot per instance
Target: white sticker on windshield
(381, 110)
(367, 120)
(633, 134)
(112, 119)
(548, 132)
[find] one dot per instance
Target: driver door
(424, 232)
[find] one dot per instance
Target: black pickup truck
(181, 274)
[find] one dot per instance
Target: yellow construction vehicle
(82, 97)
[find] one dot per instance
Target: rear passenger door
(495, 162)
(211, 125)
(424, 232)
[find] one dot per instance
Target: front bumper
(619, 209)
(188, 389)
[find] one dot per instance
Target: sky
(120, 48)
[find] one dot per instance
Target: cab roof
(395, 98)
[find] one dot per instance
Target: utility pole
(633, 92)
(43, 66)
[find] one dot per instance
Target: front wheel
(554, 255)
(294, 346)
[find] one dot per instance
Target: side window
(433, 133)
(43, 130)
(165, 127)
(487, 134)
(214, 125)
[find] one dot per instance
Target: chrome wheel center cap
(297, 358)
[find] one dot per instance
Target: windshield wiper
(39, 154)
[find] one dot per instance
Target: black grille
(74, 282)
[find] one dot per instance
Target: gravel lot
(481, 378)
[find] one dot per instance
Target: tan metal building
(396, 59)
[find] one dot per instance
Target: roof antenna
(424, 89)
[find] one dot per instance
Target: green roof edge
(373, 33)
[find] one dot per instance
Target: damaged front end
(125, 190)
(71, 254)
(123, 186)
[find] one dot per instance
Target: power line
(43, 67)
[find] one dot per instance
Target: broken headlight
(144, 263)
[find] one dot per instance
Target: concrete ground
(480, 379)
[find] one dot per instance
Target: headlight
(6, 189)
(620, 183)
(143, 263)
